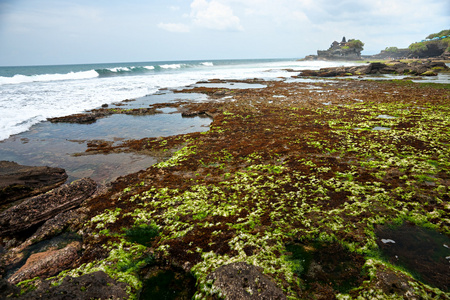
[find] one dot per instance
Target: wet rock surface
(243, 281)
(97, 285)
(18, 181)
(423, 251)
(40, 208)
(93, 115)
(295, 163)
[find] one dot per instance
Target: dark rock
(190, 114)
(8, 290)
(40, 208)
(54, 227)
(427, 68)
(17, 181)
(46, 264)
(105, 105)
(97, 285)
(395, 284)
(87, 118)
(243, 281)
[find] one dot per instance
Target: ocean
(29, 95)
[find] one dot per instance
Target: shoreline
(292, 179)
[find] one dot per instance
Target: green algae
(238, 205)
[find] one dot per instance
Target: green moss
(142, 234)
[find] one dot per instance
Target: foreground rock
(243, 281)
(97, 285)
(48, 263)
(43, 207)
(17, 181)
(428, 68)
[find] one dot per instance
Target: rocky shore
(413, 68)
(300, 190)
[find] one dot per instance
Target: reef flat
(299, 190)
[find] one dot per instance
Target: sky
(47, 32)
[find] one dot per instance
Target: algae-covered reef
(300, 180)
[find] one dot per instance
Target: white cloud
(214, 15)
(174, 27)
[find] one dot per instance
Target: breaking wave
(101, 72)
(47, 77)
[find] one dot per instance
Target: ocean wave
(117, 71)
(16, 79)
(207, 64)
(172, 66)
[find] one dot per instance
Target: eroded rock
(46, 264)
(17, 181)
(40, 208)
(243, 281)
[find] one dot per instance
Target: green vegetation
(142, 234)
(357, 44)
(444, 43)
(445, 32)
(298, 189)
(391, 49)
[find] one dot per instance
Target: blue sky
(38, 32)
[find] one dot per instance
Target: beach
(303, 188)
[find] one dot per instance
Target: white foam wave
(207, 64)
(171, 66)
(23, 105)
(16, 79)
(120, 69)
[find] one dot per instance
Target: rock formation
(40, 208)
(243, 281)
(17, 181)
(345, 50)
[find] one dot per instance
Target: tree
(357, 44)
(391, 49)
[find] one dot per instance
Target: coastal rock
(95, 114)
(7, 289)
(427, 68)
(53, 227)
(243, 281)
(18, 181)
(87, 118)
(46, 264)
(40, 208)
(97, 285)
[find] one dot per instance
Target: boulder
(17, 181)
(97, 285)
(243, 281)
(39, 209)
(46, 264)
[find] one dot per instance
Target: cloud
(174, 27)
(214, 15)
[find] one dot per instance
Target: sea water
(31, 94)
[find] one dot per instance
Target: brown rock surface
(17, 181)
(40, 208)
(243, 281)
(47, 263)
(97, 285)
